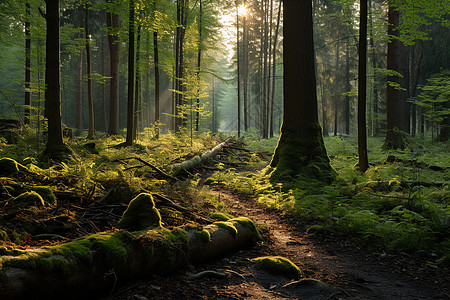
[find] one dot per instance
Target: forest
(224, 149)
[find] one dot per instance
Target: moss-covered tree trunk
(300, 150)
(95, 265)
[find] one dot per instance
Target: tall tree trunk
(199, 63)
(396, 114)
(27, 63)
(52, 76)
(336, 89)
(156, 58)
(105, 122)
(137, 100)
(238, 58)
(415, 66)
(245, 62)
(300, 150)
(91, 132)
(272, 98)
(265, 132)
(348, 87)
(375, 129)
(112, 21)
(213, 95)
(362, 88)
(131, 65)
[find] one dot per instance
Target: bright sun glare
(242, 10)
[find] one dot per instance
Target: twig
(158, 170)
(210, 273)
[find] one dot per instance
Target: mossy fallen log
(198, 159)
(93, 266)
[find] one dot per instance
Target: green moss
(300, 155)
(203, 235)
(221, 216)
(28, 199)
(315, 229)
(177, 236)
(10, 167)
(246, 222)
(278, 265)
(47, 194)
(140, 214)
(60, 153)
(3, 235)
(227, 226)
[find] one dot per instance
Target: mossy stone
(278, 265)
(140, 214)
(28, 199)
(10, 167)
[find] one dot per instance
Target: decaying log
(198, 159)
(82, 268)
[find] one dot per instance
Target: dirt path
(345, 271)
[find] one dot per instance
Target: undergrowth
(385, 208)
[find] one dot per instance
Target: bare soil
(345, 271)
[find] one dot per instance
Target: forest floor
(93, 193)
(343, 269)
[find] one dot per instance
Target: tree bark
(300, 151)
(91, 132)
(112, 21)
(396, 113)
(362, 88)
(238, 59)
(52, 76)
(131, 65)
(137, 100)
(272, 98)
(27, 63)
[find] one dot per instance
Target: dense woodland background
(200, 61)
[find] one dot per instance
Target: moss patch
(140, 214)
(278, 265)
(227, 226)
(47, 194)
(246, 222)
(10, 167)
(221, 216)
(301, 155)
(28, 199)
(203, 235)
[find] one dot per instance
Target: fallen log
(198, 159)
(94, 265)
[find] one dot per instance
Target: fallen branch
(158, 170)
(198, 159)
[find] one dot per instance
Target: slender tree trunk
(137, 100)
(27, 63)
(272, 98)
(336, 89)
(213, 100)
(348, 87)
(415, 81)
(112, 21)
(156, 58)
(245, 62)
(199, 60)
(105, 122)
(238, 58)
(79, 102)
(52, 76)
(362, 88)
(324, 113)
(131, 66)
(265, 134)
(375, 129)
(91, 132)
